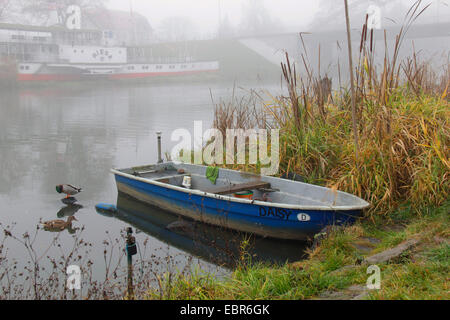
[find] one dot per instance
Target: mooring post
(159, 134)
(131, 251)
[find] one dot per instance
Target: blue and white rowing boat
(279, 208)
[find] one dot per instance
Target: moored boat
(279, 208)
(34, 54)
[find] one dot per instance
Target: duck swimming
(59, 225)
(68, 189)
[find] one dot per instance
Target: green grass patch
(421, 273)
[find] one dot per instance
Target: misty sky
(293, 14)
(205, 13)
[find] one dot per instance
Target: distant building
(120, 28)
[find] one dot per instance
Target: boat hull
(263, 220)
(42, 72)
(216, 245)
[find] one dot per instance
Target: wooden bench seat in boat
(168, 179)
(222, 190)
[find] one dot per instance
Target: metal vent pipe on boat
(159, 135)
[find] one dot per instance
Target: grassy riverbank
(402, 169)
(400, 164)
(334, 269)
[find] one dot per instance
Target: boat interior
(230, 183)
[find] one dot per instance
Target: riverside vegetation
(401, 167)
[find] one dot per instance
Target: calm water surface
(58, 136)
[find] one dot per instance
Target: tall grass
(402, 110)
(403, 113)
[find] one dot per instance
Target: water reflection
(60, 225)
(69, 210)
(76, 134)
(215, 245)
(44, 138)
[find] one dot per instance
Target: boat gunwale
(364, 205)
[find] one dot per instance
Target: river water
(51, 136)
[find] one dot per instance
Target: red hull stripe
(62, 77)
(154, 74)
(47, 77)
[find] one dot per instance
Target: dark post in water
(131, 251)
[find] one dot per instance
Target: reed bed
(402, 122)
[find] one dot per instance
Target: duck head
(59, 189)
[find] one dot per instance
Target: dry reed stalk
(352, 80)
